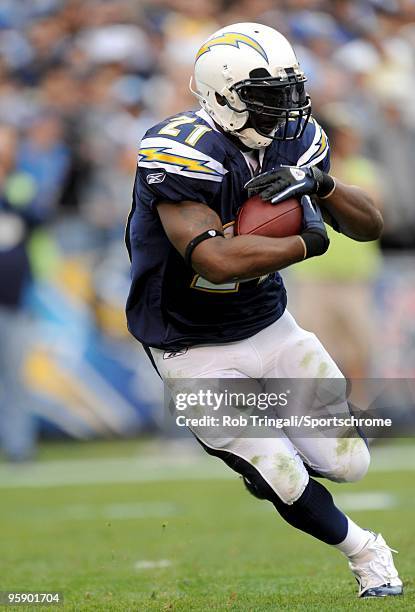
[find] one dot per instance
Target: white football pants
(282, 350)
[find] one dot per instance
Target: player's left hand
(286, 182)
(314, 232)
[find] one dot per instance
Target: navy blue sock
(315, 513)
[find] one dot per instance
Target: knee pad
(285, 481)
(353, 460)
(278, 475)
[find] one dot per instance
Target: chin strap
(252, 139)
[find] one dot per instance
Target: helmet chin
(252, 139)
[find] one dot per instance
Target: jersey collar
(207, 118)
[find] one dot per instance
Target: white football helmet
(248, 79)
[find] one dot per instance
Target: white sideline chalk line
(104, 471)
(145, 564)
(81, 472)
(372, 500)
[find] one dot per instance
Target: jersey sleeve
(172, 170)
(315, 147)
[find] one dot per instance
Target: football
(273, 220)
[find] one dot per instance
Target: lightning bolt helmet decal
(233, 39)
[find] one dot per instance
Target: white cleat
(375, 571)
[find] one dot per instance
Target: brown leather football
(266, 219)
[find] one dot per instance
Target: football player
(206, 306)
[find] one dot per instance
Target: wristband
(212, 233)
(324, 196)
(304, 247)
(325, 183)
(316, 242)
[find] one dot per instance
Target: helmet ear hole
(258, 73)
(220, 99)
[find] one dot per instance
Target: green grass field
(113, 527)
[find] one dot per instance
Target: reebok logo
(155, 177)
(171, 354)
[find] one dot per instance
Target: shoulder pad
(186, 145)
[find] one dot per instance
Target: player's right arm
(221, 260)
(180, 169)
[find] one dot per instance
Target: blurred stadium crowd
(80, 82)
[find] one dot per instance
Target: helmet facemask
(279, 107)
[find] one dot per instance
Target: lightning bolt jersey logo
(177, 158)
(232, 39)
(164, 155)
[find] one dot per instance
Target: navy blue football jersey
(187, 158)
